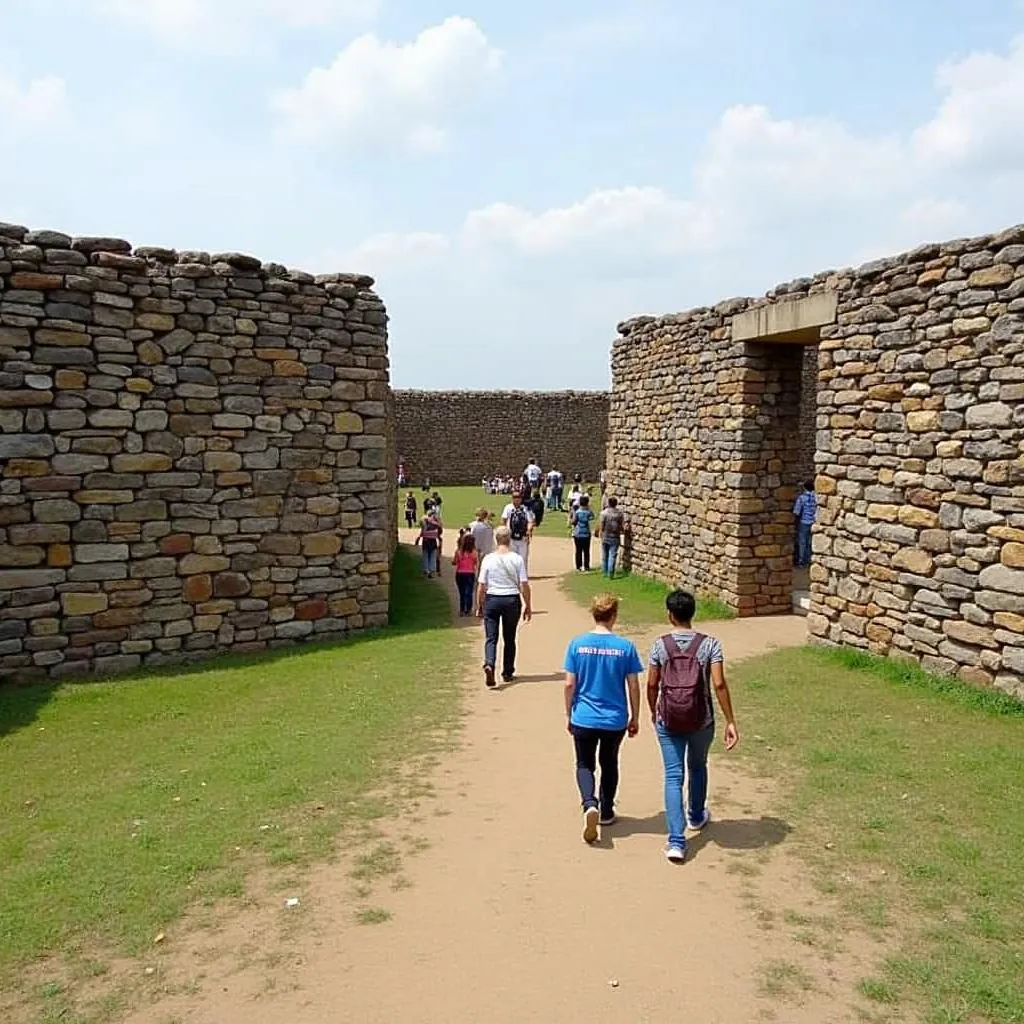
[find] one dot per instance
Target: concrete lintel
(791, 320)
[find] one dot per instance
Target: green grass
(125, 802)
(643, 599)
(459, 505)
(904, 791)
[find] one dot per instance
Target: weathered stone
(193, 563)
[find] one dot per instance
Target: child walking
(466, 560)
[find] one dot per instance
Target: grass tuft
(643, 599)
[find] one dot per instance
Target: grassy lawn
(459, 505)
(126, 802)
(643, 599)
(905, 794)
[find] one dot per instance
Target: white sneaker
(676, 854)
(696, 827)
(590, 818)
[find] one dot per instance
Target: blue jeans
(429, 556)
(693, 748)
(501, 611)
(466, 583)
(609, 556)
(803, 544)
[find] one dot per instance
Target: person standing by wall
(805, 510)
(502, 597)
(610, 527)
(684, 666)
(465, 561)
(520, 521)
(601, 672)
(582, 520)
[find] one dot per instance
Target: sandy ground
(510, 917)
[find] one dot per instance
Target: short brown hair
(604, 608)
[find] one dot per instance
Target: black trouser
(593, 746)
(582, 552)
(504, 611)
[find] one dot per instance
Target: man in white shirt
(520, 521)
(503, 597)
(533, 474)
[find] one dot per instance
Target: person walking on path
(581, 521)
(533, 474)
(520, 520)
(602, 670)
(465, 560)
(502, 597)
(429, 539)
(483, 532)
(410, 510)
(806, 512)
(610, 528)
(684, 666)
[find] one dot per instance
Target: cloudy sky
(518, 176)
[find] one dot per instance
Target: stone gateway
(195, 455)
(919, 452)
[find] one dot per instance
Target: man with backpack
(684, 668)
(520, 522)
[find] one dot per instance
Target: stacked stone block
(919, 551)
(194, 455)
(459, 437)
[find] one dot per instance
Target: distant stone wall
(919, 548)
(195, 455)
(459, 437)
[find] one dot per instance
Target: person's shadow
(727, 833)
(549, 677)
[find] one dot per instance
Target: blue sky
(518, 177)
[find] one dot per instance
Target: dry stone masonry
(919, 549)
(194, 455)
(459, 437)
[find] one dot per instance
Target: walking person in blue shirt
(602, 670)
(806, 512)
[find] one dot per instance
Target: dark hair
(681, 605)
(612, 502)
(467, 542)
(808, 485)
(585, 500)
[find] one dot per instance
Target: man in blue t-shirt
(806, 512)
(601, 670)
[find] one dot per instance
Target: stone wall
(919, 550)
(459, 437)
(194, 455)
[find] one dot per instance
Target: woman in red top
(466, 560)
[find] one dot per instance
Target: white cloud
(377, 93)
(231, 26)
(979, 122)
(772, 198)
(38, 101)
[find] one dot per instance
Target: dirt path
(512, 918)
